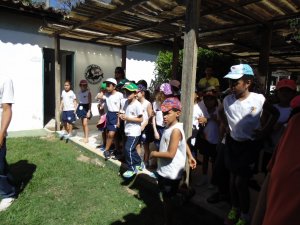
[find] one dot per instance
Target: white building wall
(21, 57)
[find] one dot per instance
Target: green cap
(103, 86)
(131, 87)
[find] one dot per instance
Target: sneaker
(5, 203)
(102, 148)
(153, 175)
(117, 155)
(106, 155)
(67, 137)
(242, 221)
(62, 135)
(232, 217)
(141, 167)
(129, 174)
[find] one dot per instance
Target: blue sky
(55, 4)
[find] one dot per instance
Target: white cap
(237, 71)
(111, 80)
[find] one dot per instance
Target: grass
(59, 189)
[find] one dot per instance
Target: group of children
(242, 122)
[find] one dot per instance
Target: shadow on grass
(22, 173)
(185, 212)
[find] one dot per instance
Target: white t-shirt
(158, 114)
(6, 93)
(172, 168)
(243, 116)
(68, 100)
(145, 105)
(83, 97)
(133, 110)
(211, 129)
(197, 112)
(113, 101)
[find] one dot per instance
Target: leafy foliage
(218, 61)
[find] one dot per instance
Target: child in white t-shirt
(133, 117)
(113, 103)
(68, 105)
(102, 109)
(147, 134)
(171, 157)
(197, 113)
(243, 110)
(285, 92)
(210, 133)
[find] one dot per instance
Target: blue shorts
(82, 110)
(68, 116)
(111, 121)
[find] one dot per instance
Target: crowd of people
(230, 131)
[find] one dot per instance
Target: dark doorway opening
(67, 73)
(49, 85)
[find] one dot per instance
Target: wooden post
(175, 58)
(124, 56)
(189, 67)
(57, 82)
(263, 66)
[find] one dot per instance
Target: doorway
(67, 73)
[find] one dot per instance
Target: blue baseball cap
(237, 71)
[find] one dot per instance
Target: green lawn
(61, 189)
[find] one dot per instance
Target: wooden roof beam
(103, 16)
(256, 49)
(239, 9)
(150, 40)
(168, 21)
(139, 28)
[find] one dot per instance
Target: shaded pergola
(261, 32)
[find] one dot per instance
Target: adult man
(7, 190)
(209, 80)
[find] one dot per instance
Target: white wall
(21, 57)
(23, 63)
(86, 54)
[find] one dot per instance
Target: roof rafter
(103, 16)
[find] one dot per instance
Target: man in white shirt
(7, 190)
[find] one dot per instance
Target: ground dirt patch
(94, 161)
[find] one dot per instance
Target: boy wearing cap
(243, 111)
(113, 103)
(172, 154)
(133, 118)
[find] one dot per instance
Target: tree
(163, 66)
